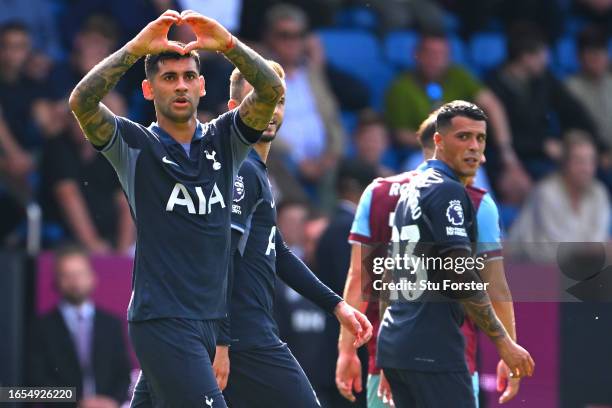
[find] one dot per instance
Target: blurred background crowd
(361, 76)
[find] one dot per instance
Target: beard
(267, 137)
(180, 117)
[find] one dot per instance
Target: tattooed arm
(258, 106)
(96, 120)
(268, 88)
(478, 307)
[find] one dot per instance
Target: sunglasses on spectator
(287, 35)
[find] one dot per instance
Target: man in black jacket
(77, 344)
(332, 263)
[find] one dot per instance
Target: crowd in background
(361, 77)
(540, 69)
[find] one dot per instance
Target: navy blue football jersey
(421, 329)
(254, 265)
(181, 206)
(262, 255)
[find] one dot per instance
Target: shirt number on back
(407, 238)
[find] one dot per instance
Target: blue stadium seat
(400, 47)
(565, 57)
(357, 52)
(487, 50)
(349, 123)
(378, 81)
(457, 49)
(350, 49)
(357, 17)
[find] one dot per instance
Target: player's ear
(232, 104)
(437, 138)
(202, 86)
(147, 89)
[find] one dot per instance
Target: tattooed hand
(210, 35)
(96, 120)
(153, 39)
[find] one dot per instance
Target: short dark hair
(524, 38)
(432, 34)
(573, 138)
(13, 25)
(284, 11)
(292, 202)
(427, 130)
(104, 25)
(449, 110)
(66, 250)
(354, 176)
(152, 60)
(368, 117)
(592, 37)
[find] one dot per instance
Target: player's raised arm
(257, 108)
(96, 120)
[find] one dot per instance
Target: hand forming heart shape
(153, 39)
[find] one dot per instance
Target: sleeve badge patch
(238, 189)
(454, 212)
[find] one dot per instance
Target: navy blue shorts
(268, 377)
(421, 389)
(175, 357)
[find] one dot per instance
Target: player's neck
(182, 132)
(262, 149)
(462, 179)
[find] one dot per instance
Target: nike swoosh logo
(165, 160)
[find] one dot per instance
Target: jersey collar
(441, 166)
(167, 139)
(255, 156)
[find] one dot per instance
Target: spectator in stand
(539, 107)
(17, 92)
(568, 206)
(481, 15)
(312, 133)
(19, 141)
(413, 95)
(38, 17)
(79, 191)
(333, 254)
(131, 16)
(597, 12)
(321, 13)
(15, 167)
(97, 39)
(592, 85)
(316, 223)
(292, 217)
(78, 344)
(371, 140)
(400, 14)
